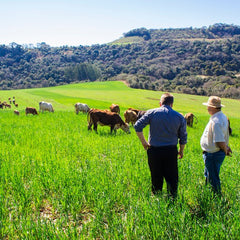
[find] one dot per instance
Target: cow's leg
(95, 127)
(89, 126)
(113, 128)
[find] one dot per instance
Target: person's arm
(182, 138)
(220, 140)
(223, 146)
(139, 126)
(141, 137)
(180, 152)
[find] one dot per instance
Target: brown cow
(30, 110)
(229, 128)
(130, 116)
(140, 114)
(7, 105)
(16, 112)
(134, 109)
(106, 118)
(115, 108)
(189, 119)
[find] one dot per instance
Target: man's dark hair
(166, 99)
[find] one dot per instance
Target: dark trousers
(162, 162)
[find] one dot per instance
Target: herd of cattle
(6, 105)
(43, 106)
(110, 117)
(113, 119)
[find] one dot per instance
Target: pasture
(61, 181)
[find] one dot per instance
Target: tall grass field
(61, 181)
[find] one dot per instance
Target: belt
(214, 152)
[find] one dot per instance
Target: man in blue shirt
(167, 129)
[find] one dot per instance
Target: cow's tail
(40, 105)
(195, 118)
(89, 115)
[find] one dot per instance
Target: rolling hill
(199, 61)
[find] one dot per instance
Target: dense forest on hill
(203, 61)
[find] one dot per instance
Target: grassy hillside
(102, 94)
(60, 181)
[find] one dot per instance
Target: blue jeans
(213, 162)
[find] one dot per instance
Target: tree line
(203, 61)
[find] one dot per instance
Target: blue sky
(87, 22)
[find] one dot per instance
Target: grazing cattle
(135, 110)
(44, 106)
(16, 112)
(140, 114)
(115, 108)
(16, 105)
(130, 116)
(106, 118)
(81, 107)
(1, 105)
(189, 119)
(7, 105)
(30, 110)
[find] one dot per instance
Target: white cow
(44, 106)
(81, 107)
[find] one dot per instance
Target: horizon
(29, 45)
(75, 23)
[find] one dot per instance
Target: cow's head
(125, 128)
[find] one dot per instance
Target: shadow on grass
(207, 204)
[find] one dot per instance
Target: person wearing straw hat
(214, 142)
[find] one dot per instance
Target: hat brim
(209, 105)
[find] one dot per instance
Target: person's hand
(180, 153)
(146, 145)
(229, 152)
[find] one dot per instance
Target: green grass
(127, 40)
(60, 181)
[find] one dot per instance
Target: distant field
(61, 181)
(102, 94)
(128, 40)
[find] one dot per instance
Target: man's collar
(215, 114)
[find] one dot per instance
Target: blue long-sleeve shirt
(166, 126)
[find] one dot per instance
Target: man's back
(166, 126)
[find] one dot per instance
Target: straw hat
(214, 102)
